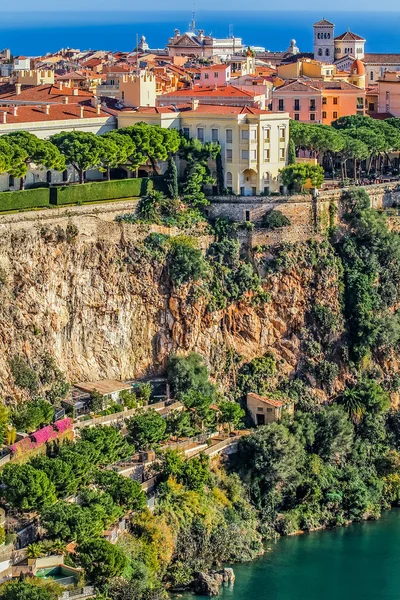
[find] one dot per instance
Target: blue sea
(36, 33)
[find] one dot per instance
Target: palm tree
(352, 402)
(36, 550)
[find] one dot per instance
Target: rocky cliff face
(77, 284)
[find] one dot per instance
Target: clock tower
(324, 45)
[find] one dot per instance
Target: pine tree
(171, 179)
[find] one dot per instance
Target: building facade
(254, 142)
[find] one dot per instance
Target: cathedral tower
(324, 45)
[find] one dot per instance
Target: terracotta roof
(271, 401)
(205, 109)
(104, 387)
(214, 68)
(58, 112)
(349, 36)
(228, 91)
(43, 93)
(323, 22)
(390, 59)
(299, 86)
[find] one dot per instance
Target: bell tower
(324, 43)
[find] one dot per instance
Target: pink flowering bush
(44, 435)
(63, 424)
(22, 446)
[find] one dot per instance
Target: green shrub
(37, 198)
(275, 219)
(186, 262)
(99, 190)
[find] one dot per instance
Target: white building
(254, 142)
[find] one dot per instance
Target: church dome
(357, 68)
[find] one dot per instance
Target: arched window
(328, 35)
(319, 36)
(266, 176)
(320, 52)
(327, 52)
(228, 179)
(48, 176)
(371, 76)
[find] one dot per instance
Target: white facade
(324, 45)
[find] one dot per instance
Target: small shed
(265, 409)
(108, 388)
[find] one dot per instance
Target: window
(371, 107)
(281, 134)
(266, 190)
(312, 116)
(360, 102)
(245, 154)
(334, 114)
(266, 155)
(206, 76)
(216, 75)
(281, 153)
(297, 104)
(229, 136)
(11, 181)
(65, 175)
(260, 409)
(253, 155)
(247, 217)
(214, 135)
(324, 114)
(229, 179)
(281, 105)
(335, 100)
(253, 135)
(245, 134)
(327, 53)
(228, 155)
(186, 132)
(267, 134)
(312, 104)
(320, 52)
(324, 100)
(371, 76)
(48, 176)
(200, 134)
(297, 117)
(269, 410)
(328, 35)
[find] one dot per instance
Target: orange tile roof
(204, 108)
(58, 112)
(270, 401)
(43, 93)
(227, 91)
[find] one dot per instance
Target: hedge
(101, 190)
(36, 198)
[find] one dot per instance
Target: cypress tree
(171, 179)
(220, 175)
(291, 153)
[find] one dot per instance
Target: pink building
(389, 93)
(215, 75)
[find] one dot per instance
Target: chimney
(98, 109)
(5, 116)
(65, 100)
(81, 111)
(75, 91)
(47, 109)
(15, 111)
(61, 85)
(17, 89)
(195, 104)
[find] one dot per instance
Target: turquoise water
(359, 562)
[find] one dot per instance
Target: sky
(157, 5)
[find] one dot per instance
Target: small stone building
(264, 409)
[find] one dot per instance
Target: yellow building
(35, 77)
(254, 142)
(264, 410)
(138, 90)
(315, 69)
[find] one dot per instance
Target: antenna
(192, 25)
(231, 30)
(137, 54)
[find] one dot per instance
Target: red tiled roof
(205, 109)
(228, 91)
(33, 114)
(322, 22)
(43, 93)
(350, 37)
(270, 401)
(390, 59)
(215, 68)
